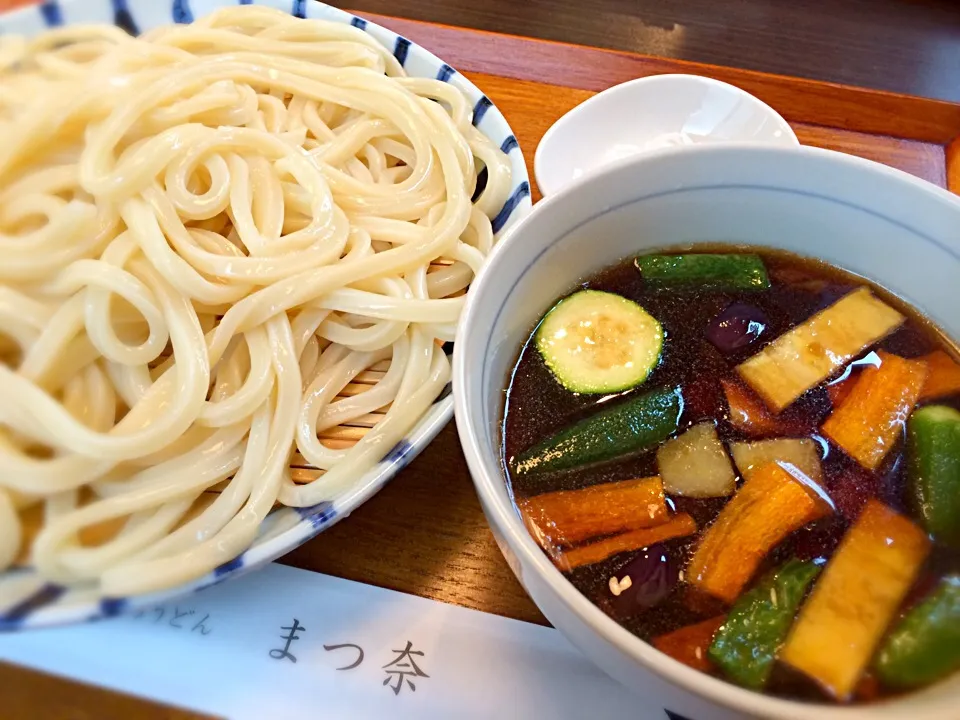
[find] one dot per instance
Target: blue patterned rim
(27, 601)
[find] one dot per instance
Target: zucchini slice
(599, 342)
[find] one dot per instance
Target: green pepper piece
(627, 428)
(747, 644)
(705, 271)
(933, 456)
(925, 645)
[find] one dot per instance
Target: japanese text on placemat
(400, 672)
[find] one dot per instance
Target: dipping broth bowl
(890, 227)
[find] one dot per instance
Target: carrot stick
(943, 376)
(689, 644)
(680, 525)
(871, 418)
(567, 517)
(858, 595)
(747, 413)
(768, 507)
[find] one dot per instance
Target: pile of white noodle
(222, 243)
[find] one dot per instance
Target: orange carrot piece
(747, 413)
(768, 507)
(839, 391)
(943, 375)
(865, 581)
(689, 644)
(567, 517)
(680, 525)
(870, 420)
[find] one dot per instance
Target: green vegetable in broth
(925, 645)
(599, 342)
(704, 271)
(745, 647)
(626, 428)
(933, 456)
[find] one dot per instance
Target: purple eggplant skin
(654, 573)
(736, 327)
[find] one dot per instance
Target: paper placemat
(288, 643)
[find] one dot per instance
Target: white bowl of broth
(777, 527)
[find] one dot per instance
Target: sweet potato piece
(679, 526)
(943, 376)
(858, 595)
(768, 507)
(748, 414)
(868, 423)
(689, 644)
(808, 354)
(567, 517)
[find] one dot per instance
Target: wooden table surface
(425, 533)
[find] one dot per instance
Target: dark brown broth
(537, 406)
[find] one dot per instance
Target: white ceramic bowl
(648, 114)
(881, 223)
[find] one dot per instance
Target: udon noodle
(222, 243)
